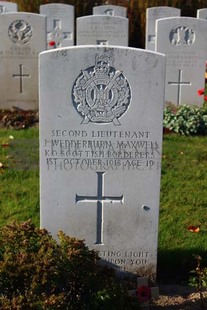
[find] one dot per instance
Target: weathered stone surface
(22, 38)
(100, 150)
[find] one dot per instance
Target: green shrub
(37, 272)
(186, 120)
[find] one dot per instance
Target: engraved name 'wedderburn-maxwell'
(101, 94)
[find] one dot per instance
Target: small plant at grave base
(199, 279)
(37, 272)
(18, 118)
(186, 120)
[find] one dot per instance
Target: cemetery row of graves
(100, 134)
(136, 11)
(25, 35)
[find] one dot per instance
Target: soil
(18, 118)
(177, 297)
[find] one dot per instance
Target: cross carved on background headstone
(20, 75)
(179, 85)
(57, 35)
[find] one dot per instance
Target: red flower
(143, 293)
(200, 92)
(51, 43)
(205, 98)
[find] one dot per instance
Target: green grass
(183, 200)
(183, 203)
(19, 176)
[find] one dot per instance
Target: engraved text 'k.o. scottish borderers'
(101, 94)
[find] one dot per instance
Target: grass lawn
(19, 176)
(183, 200)
(183, 203)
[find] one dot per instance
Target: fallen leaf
(9, 157)
(5, 145)
(194, 229)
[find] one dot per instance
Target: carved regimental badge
(101, 94)
(182, 35)
(20, 32)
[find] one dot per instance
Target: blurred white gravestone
(60, 24)
(102, 30)
(7, 7)
(152, 14)
(22, 38)
(112, 10)
(184, 41)
(202, 13)
(100, 150)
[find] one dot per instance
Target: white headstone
(102, 30)
(202, 13)
(152, 14)
(112, 10)
(22, 38)
(60, 24)
(100, 150)
(184, 41)
(7, 7)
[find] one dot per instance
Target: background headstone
(112, 10)
(60, 24)
(100, 150)
(22, 38)
(184, 41)
(152, 14)
(7, 7)
(102, 30)
(202, 13)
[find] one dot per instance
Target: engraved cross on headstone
(179, 84)
(99, 199)
(20, 75)
(57, 35)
